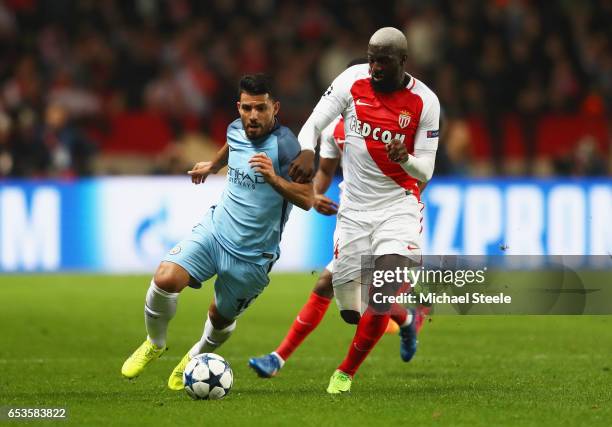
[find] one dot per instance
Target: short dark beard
(265, 132)
(384, 86)
(387, 86)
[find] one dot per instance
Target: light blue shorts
(238, 282)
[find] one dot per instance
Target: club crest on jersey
(404, 119)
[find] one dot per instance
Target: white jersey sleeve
(331, 105)
(428, 132)
(329, 149)
(420, 165)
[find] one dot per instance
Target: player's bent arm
(215, 165)
(325, 174)
(421, 165)
(221, 159)
(333, 103)
(301, 195)
(313, 127)
(201, 170)
(302, 167)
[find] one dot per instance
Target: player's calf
(324, 287)
(217, 330)
(305, 322)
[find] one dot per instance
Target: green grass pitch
(64, 338)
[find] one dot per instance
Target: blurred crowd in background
(149, 86)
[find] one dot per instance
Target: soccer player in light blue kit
(237, 240)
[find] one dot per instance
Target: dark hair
(256, 84)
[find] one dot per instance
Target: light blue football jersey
(249, 220)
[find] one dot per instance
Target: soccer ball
(208, 376)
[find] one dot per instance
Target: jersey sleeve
(233, 132)
(332, 104)
(288, 149)
(329, 149)
(338, 95)
(428, 132)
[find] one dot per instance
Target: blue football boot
(408, 339)
(265, 366)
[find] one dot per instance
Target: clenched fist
(396, 151)
(262, 164)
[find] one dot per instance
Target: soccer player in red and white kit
(391, 123)
(311, 314)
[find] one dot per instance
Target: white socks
(160, 307)
(409, 318)
(211, 338)
(281, 362)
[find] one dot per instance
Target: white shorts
(394, 229)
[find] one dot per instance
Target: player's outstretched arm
(201, 170)
(301, 195)
(322, 180)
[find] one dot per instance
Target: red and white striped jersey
(372, 119)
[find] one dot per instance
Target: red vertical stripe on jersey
(382, 111)
(339, 134)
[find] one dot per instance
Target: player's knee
(171, 277)
(324, 287)
(350, 316)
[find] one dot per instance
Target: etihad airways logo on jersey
(376, 133)
(244, 179)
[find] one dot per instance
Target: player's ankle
(281, 361)
(409, 319)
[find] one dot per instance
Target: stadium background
(146, 88)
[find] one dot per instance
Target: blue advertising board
(126, 224)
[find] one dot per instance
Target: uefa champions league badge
(175, 250)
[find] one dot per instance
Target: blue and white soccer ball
(208, 376)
